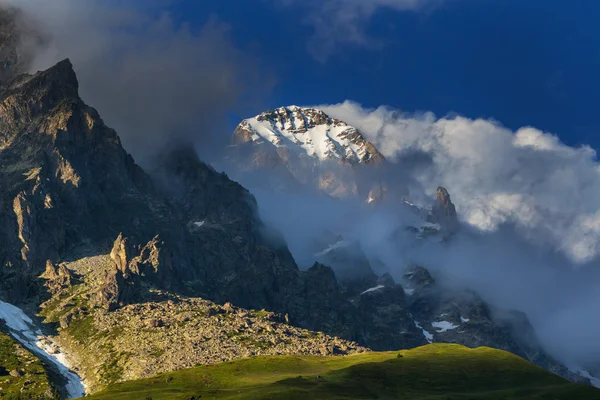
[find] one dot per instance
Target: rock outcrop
(443, 212)
(58, 277)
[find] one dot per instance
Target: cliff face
(64, 177)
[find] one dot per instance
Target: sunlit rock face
(304, 146)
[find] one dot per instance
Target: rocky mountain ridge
(423, 314)
(310, 129)
(69, 190)
(292, 147)
(84, 229)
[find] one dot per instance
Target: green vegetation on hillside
(438, 371)
(22, 375)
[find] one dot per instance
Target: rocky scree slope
(170, 333)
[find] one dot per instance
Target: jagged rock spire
(443, 211)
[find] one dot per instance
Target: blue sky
(533, 62)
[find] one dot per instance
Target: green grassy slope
(438, 371)
(22, 375)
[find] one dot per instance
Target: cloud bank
(155, 81)
(529, 207)
(345, 22)
(528, 178)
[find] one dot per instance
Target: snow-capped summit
(308, 130)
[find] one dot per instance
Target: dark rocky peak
(418, 277)
(324, 306)
(31, 97)
(182, 161)
(444, 203)
(386, 280)
(204, 195)
(386, 322)
(45, 89)
(322, 275)
(59, 76)
(443, 212)
(350, 264)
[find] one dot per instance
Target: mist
(155, 81)
(337, 24)
(527, 205)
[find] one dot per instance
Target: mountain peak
(32, 96)
(444, 211)
(59, 76)
(308, 130)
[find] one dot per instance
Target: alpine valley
(166, 283)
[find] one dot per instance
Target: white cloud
(529, 178)
(344, 22)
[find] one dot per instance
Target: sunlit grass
(438, 371)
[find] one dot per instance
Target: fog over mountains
(527, 206)
(344, 185)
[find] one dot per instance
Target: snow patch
(443, 326)
(378, 287)
(408, 203)
(23, 330)
(408, 291)
(337, 245)
(198, 224)
(428, 226)
(427, 335)
(327, 140)
(584, 373)
(463, 320)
